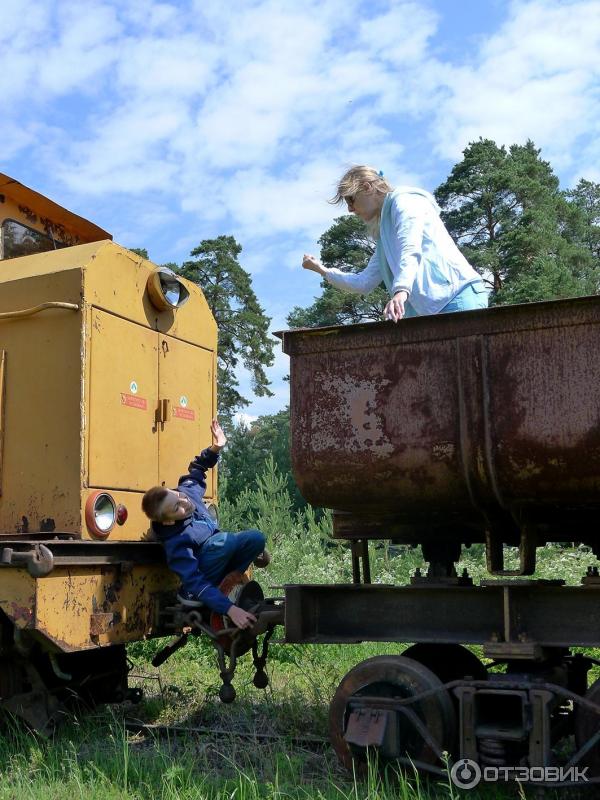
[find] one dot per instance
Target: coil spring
(492, 753)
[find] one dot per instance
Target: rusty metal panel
(17, 597)
(456, 418)
(2, 402)
(81, 607)
(85, 600)
(518, 618)
(38, 212)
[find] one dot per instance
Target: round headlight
(100, 514)
(166, 290)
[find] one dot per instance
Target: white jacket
(414, 252)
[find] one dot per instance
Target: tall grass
(97, 760)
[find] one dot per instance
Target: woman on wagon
(416, 258)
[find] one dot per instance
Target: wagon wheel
(587, 724)
(448, 661)
(24, 697)
(389, 678)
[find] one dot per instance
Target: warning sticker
(184, 413)
(133, 401)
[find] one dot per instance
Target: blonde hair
(352, 181)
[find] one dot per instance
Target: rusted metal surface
(94, 594)
(28, 206)
(485, 419)
(79, 552)
(523, 617)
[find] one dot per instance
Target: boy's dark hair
(152, 501)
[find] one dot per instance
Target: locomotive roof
(43, 206)
(52, 261)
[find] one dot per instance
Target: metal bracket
(494, 552)
(360, 553)
(39, 561)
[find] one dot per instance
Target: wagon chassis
(502, 720)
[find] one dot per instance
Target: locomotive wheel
(448, 661)
(392, 677)
(587, 723)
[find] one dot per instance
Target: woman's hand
(219, 438)
(394, 309)
(313, 264)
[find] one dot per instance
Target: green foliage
(141, 251)
(512, 222)
(585, 197)
(346, 245)
(249, 449)
(300, 538)
(242, 322)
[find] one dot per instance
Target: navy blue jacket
(184, 539)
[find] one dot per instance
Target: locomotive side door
(185, 379)
(123, 441)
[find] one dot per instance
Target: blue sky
(170, 122)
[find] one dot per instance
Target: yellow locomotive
(107, 387)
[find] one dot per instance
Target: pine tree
(507, 213)
(585, 197)
(345, 245)
(250, 447)
(242, 322)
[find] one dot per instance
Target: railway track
(312, 742)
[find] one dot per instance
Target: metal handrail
(28, 312)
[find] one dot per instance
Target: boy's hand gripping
(241, 618)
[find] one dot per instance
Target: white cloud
(182, 120)
(401, 35)
(244, 419)
(537, 77)
(188, 98)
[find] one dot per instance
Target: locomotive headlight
(100, 514)
(166, 290)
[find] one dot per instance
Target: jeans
(472, 296)
(226, 552)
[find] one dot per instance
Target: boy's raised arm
(219, 439)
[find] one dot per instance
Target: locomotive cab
(31, 223)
